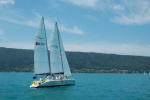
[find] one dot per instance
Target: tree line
(21, 60)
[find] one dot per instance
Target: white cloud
(123, 49)
(122, 12)
(118, 7)
(2, 36)
(1, 32)
(74, 30)
(48, 23)
(16, 18)
(31, 23)
(135, 12)
(5, 2)
(84, 3)
(19, 45)
(123, 19)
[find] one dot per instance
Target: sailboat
(50, 68)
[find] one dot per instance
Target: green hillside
(21, 60)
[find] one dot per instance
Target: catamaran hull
(55, 83)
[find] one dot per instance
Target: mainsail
(58, 60)
(41, 58)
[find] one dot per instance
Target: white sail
(41, 58)
(59, 63)
(64, 60)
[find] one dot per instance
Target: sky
(103, 26)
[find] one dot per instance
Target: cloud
(30, 23)
(123, 49)
(15, 17)
(84, 3)
(123, 19)
(19, 45)
(1, 32)
(74, 30)
(49, 23)
(118, 7)
(109, 48)
(134, 12)
(2, 36)
(122, 12)
(5, 2)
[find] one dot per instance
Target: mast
(41, 58)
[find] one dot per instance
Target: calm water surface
(15, 86)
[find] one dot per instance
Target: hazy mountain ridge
(21, 60)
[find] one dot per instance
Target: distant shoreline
(20, 60)
(89, 72)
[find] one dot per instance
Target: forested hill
(21, 60)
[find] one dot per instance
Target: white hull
(49, 83)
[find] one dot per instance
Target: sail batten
(59, 63)
(41, 58)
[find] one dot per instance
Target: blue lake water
(15, 86)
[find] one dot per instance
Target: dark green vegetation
(21, 60)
